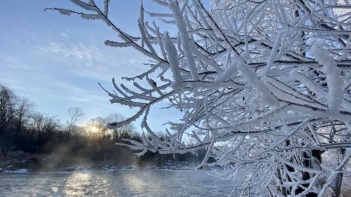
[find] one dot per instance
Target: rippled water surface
(117, 183)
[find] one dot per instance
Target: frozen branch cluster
(263, 85)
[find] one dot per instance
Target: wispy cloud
(7, 61)
(101, 63)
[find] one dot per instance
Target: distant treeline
(23, 129)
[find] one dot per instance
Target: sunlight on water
(54, 189)
(76, 183)
(86, 184)
(136, 183)
(142, 183)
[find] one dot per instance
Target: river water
(142, 183)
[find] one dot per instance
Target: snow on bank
(18, 171)
(107, 168)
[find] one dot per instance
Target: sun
(93, 129)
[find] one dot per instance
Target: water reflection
(77, 184)
(119, 183)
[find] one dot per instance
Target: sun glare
(93, 129)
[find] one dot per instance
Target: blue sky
(57, 61)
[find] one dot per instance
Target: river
(142, 183)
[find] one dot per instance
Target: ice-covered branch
(263, 86)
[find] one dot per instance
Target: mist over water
(118, 183)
